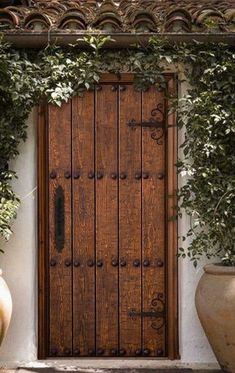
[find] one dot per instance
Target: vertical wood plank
(83, 224)
(172, 262)
(130, 221)
(42, 175)
(153, 220)
(59, 288)
(106, 221)
(60, 302)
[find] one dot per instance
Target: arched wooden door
(106, 248)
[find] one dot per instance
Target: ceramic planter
(5, 308)
(215, 303)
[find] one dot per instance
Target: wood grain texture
(153, 222)
(106, 220)
(172, 240)
(60, 275)
(130, 220)
(83, 224)
(116, 78)
(83, 307)
(42, 173)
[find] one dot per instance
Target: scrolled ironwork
(156, 313)
(156, 123)
(159, 132)
(159, 306)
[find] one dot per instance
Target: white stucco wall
(19, 261)
(20, 271)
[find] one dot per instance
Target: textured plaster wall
(194, 346)
(19, 261)
(19, 264)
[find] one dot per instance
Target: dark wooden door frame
(171, 182)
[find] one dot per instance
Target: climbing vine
(206, 113)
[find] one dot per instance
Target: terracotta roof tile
(183, 16)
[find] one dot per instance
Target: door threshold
(97, 365)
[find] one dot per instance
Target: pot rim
(219, 269)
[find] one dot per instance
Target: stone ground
(121, 370)
(161, 370)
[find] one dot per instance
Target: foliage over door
(107, 224)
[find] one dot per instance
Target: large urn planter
(5, 308)
(215, 303)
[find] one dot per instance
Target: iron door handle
(59, 218)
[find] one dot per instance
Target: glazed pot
(5, 308)
(215, 303)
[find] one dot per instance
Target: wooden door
(107, 228)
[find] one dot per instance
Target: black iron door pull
(59, 218)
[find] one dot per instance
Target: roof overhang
(38, 40)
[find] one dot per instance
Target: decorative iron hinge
(151, 124)
(156, 123)
(156, 313)
(152, 313)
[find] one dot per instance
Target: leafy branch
(206, 112)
